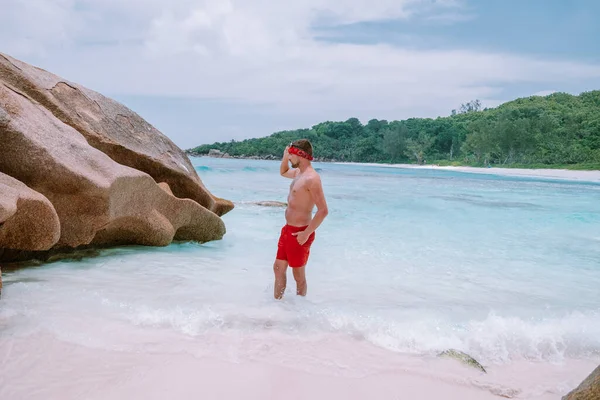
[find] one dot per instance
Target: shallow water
(409, 261)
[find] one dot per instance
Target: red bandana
(300, 153)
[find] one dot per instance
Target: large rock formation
(79, 169)
(27, 218)
(589, 388)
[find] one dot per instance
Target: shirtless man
(298, 234)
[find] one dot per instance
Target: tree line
(554, 130)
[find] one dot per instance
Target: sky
(203, 71)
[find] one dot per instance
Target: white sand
(43, 367)
(563, 174)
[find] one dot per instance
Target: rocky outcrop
(113, 129)
(79, 170)
(589, 389)
(28, 221)
(218, 154)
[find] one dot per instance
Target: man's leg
(300, 277)
(280, 270)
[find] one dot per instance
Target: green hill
(558, 130)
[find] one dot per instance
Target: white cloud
(544, 93)
(264, 52)
(27, 26)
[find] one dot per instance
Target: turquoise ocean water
(409, 260)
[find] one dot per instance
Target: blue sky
(550, 28)
(214, 70)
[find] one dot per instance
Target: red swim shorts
(290, 250)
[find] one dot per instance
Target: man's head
(300, 149)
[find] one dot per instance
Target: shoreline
(547, 173)
(156, 373)
(562, 174)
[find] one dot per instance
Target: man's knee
(279, 267)
(299, 275)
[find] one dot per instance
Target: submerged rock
(271, 204)
(462, 357)
(79, 170)
(589, 389)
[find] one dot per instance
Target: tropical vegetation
(557, 130)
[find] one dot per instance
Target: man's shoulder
(314, 178)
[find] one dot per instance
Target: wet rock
(271, 203)
(589, 389)
(463, 358)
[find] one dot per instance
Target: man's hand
(284, 168)
(302, 237)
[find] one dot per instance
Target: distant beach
(574, 175)
(550, 173)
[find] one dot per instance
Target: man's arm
(284, 168)
(315, 188)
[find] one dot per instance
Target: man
(298, 234)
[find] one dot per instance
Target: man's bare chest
(298, 185)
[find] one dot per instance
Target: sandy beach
(44, 367)
(562, 174)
